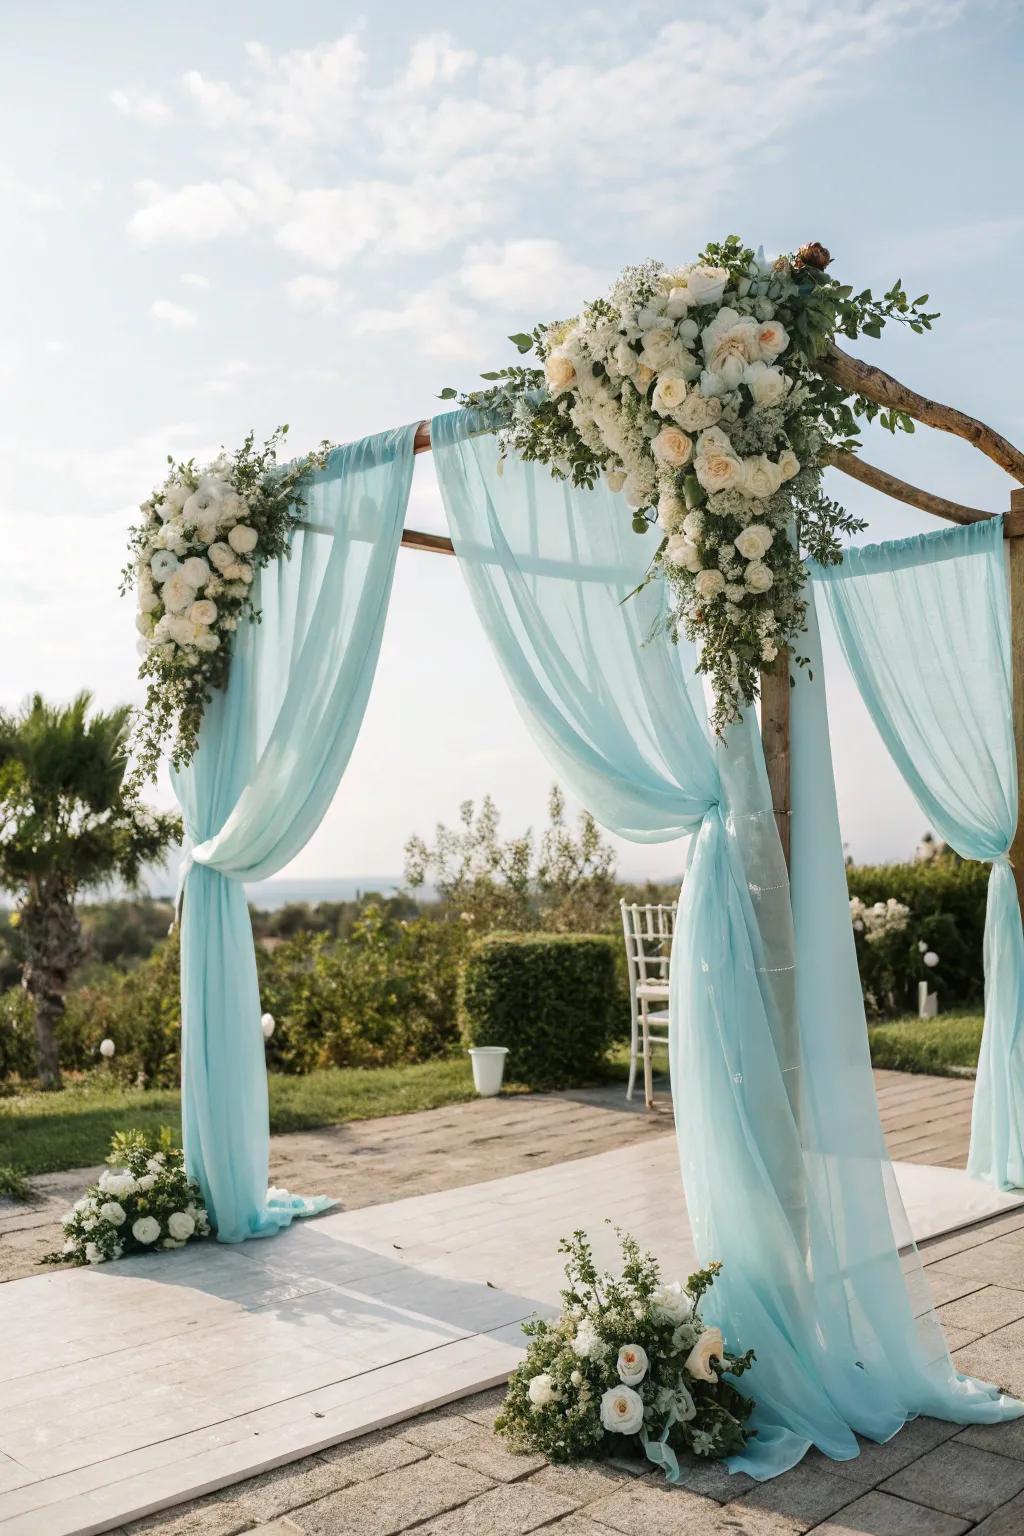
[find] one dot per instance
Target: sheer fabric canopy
(924, 624)
(783, 1162)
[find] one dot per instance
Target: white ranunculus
(560, 372)
(710, 1346)
(243, 539)
(768, 386)
(672, 447)
(758, 577)
(146, 1229)
(772, 338)
(541, 1390)
(669, 392)
(615, 479)
(671, 511)
(112, 1212)
(178, 593)
(672, 1302)
(706, 285)
(789, 464)
(754, 541)
(181, 1225)
(622, 1411)
(679, 550)
(196, 570)
(710, 583)
(631, 1364)
(204, 612)
(761, 477)
(163, 564)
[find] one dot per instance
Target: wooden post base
(775, 691)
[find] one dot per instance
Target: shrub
(553, 999)
(17, 1035)
(946, 897)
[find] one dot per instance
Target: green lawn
(927, 1045)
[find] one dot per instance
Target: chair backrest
(648, 929)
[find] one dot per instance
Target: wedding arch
(784, 1165)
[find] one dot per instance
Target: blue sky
(218, 217)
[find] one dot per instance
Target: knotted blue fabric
(784, 1166)
(924, 624)
(272, 749)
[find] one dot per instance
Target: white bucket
(488, 1068)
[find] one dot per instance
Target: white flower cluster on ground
(628, 1364)
(143, 1201)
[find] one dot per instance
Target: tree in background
(68, 823)
(566, 885)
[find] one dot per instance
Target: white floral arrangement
(879, 919)
(143, 1200)
(693, 391)
(628, 1366)
(204, 534)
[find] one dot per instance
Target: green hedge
(946, 897)
(553, 999)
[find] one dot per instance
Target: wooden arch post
(1015, 553)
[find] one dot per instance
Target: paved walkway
(445, 1474)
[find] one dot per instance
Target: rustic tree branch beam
(875, 384)
(901, 490)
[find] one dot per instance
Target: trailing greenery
(551, 999)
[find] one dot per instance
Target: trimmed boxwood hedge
(553, 999)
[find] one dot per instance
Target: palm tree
(68, 822)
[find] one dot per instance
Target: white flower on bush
(560, 373)
(761, 477)
(669, 392)
(631, 1364)
(710, 583)
(588, 1343)
(767, 385)
(181, 1225)
(659, 341)
(717, 466)
(243, 539)
(710, 1346)
(679, 550)
(705, 284)
(758, 576)
(622, 1411)
(146, 1229)
(113, 1213)
(147, 1182)
(772, 338)
(672, 1302)
(93, 1255)
(730, 343)
(541, 1390)
(754, 541)
(117, 1182)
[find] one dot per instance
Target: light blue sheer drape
(272, 749)
(925, 627)
(785, 1171)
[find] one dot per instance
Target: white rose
(112, 1212)
(710, 583)
(146, 1229)
(624, 358)
(243, 539)
(672, 1302)
(679, 550)
(178, 593)
(669, 392)
(631, 1364)
(760, 477)
(560, 373)
(754, 541)
(706, 285)
(672, 447)
(716, 466)
(117, 1182)
(222, 556)
(204, 612)
(201, 506)
(622, 1411)
(789, 464)
(163, 564)
(728, 349)
(772, 338)
(181, 1225)
(147, 1181)
(758, 577)
(678, 302)
(671, 511)
(710, 1346)
(172, 536)
(697, 412)
(615, 479)
(767, 385)
(196, 570)
(659, 341)
(541, 1390)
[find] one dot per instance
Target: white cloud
(431, 320)
(310, 291)
(302, 95)
(962, 242)
(205, 210)
(194, 280)
(140, 106)
(528, 275)
(176, 315)
(227, 378)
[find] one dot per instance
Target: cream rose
(710, 583)
(698, 412)
(659, 340)
(669, 392)
(706, 285)
(679, 550)
(730, 343)
(243, 539)
(761, 477)
(710, 1346)
(678, 302)
(718, 468)
(672, 447)
(631, 1364)
(203, 612)
(560, 373)
(772, 338)
(754, 541)
(768, 386)
(789, 464)
(622, 1411)
(758, 577)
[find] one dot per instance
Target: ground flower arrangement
(144, 1200)
(695, 392)
(204, 534)
(627, 1367)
